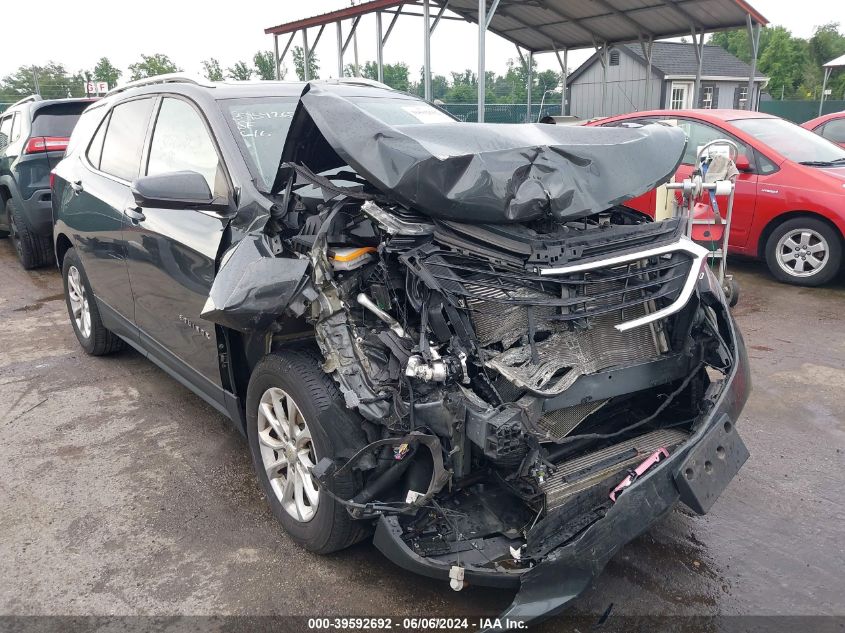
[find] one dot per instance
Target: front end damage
(510, 369)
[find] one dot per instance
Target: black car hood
(483, 173)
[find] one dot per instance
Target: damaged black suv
(448, 336)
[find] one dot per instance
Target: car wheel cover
(80, 309)
(802, 252)
(287, 454)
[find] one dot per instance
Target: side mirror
(175, 190)
(742, 163)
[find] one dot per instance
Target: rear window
(57, 119)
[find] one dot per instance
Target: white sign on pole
(96, 87)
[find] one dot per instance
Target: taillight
(46, 144)
(52, 179)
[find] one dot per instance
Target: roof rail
(361, 81)
(169, 78)
(25, 100)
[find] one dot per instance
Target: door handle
(134, 214)
(76, 185)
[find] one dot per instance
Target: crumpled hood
(487, 173)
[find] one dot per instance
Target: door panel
(171, 255)
(94, 214)
(172, 252)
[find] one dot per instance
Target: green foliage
(239, 72)
(395, 75)
(52, 80)
(299, 64)
(106, 71)
(212, 69)
(151, 66)
(265, 67)
(793, 64)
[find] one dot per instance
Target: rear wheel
(33, 250)
(92, 335)
(804, 251)
(295, 417)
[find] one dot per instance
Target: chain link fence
(502, 112)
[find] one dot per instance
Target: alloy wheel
(287, 453)
(79, 306)
(802, 252)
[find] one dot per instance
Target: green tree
(212, 69)
(151, 66)
(784, 62)
(826, 44)
(106, 71)
(265, 67)
(51, 81)
(395, 75)
(240, 72)
(299, 64)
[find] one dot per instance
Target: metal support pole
(276, 57)
(379, 48)
(603, 61)
(647, 49)
(482, 73)
(530, 82)
(339, 50)
(564, 73)
(754, 39)
(824, 87)
(306, 54)
(698, 41)
(427, 49)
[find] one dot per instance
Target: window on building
(680, 96)
(614, 58)
(741, 101)
(707, 97)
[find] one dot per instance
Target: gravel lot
(121, 493)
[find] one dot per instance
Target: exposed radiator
(576, 475)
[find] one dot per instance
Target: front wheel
(804, 251)
(295, 417)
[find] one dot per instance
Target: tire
(731, 292)
(34, 251)
(92, 335)
(797, 244)
(297, 376)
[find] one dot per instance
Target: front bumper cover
(695, 474)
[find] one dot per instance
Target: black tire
(99, 340)
(731, 292)
(833, 256)
(299, 375)
(34, 251)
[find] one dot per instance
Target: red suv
(790, 195)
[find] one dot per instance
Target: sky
(77, 33)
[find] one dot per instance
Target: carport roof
(548, 25)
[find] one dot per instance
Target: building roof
(676, 59)
(548, 25)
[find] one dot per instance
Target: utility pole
(35, 81)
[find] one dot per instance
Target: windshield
(261, 125)
(793, 142)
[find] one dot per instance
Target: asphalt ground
(123, 494)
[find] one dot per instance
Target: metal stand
(691, 190)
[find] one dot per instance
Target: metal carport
(539, 26)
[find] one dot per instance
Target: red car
(830, 126)
(789, 206)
